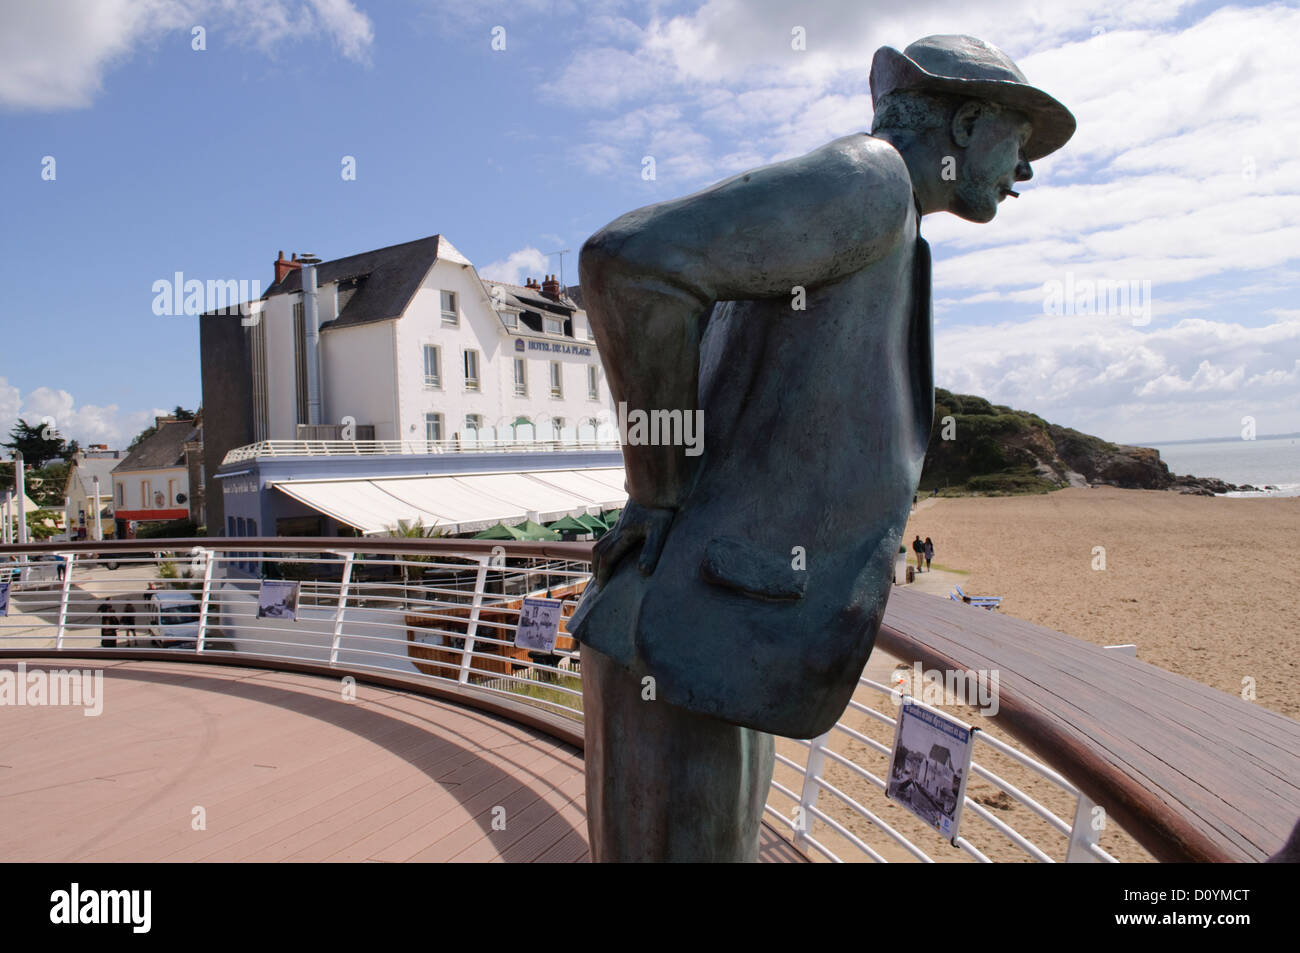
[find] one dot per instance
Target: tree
(143, 435)
(179, 412)
(32, 443)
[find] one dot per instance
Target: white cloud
(1183, 174)
(54, 54)
(1101, 374)
(525, 263)
(85, 423)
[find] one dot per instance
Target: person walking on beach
(918, 547)
(929, 553)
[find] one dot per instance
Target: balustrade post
(206, 599)
(811, 788)
(344, 585)
(471, 629)
(1082, 833)
(63, 601)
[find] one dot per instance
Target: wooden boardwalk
(214, 763)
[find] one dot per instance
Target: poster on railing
(539, 625)
(930, 765)
(4, 598)
(277, 599)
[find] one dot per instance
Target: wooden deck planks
(285, 769)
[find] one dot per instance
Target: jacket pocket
(735, 564)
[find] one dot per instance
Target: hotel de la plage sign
(553, 347)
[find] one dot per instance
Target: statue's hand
(637, 524)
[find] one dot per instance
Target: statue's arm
(650, 277)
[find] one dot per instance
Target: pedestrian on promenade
(929, 553)
(918, 547)
(107, 625)
(128, 621)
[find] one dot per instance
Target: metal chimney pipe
(99, 526)
(311, 325)
(20, 494)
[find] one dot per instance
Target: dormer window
(510, 319)
(347, 287)
(554, 325)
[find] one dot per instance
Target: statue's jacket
(771, 586)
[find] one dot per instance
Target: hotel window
(450, 316)
(591, 334)
(471, 370)
(510, 319)
(344, 291)
(171, 492)
(557, 423)
(433, 427)
(474, 422)
(521, 378)
(432, 366)
(557, 380)
(121, 495)
(593, 382)
(554, 325)
(144, 494)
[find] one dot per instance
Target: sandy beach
(1204, 586)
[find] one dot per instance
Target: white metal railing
(449, 618)
(317, 448)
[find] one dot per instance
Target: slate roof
(163, 449)
(389, 277)
(86, 471)
(530, 299)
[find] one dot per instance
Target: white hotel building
(417, 359)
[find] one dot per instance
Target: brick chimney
(551, 287)
(529, 283)
(285, 265)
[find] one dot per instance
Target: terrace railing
(443, 613)
(314, 448)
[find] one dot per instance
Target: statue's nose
(1023, 171)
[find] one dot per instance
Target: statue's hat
(965, 66)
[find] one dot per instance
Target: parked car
(173, 618)
(114, 559)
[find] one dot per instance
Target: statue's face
(992, 162)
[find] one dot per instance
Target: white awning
(460, 504)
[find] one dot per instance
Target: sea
(1271, 461)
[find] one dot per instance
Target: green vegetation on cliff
(991, 449)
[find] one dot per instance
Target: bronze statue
(741, 591)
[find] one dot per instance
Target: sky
(141, 138)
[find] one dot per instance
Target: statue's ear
(963, 122)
